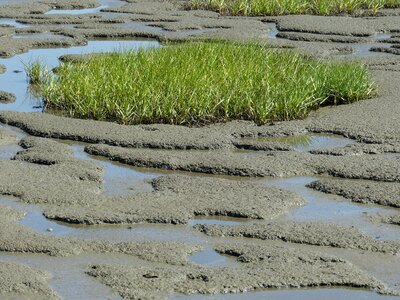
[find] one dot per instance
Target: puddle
(308, 142)
(294, 294)
(17, 82)
(119, 180)
(84, 11)
(13, 23)
(382, 36)
(39, 36)
(273, 32)
(333, 209)
(103, 5)
(364, 50)
(8, 151)
(211, 258)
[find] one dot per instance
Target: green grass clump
(36, 72)
(290, 7)
(198, 83)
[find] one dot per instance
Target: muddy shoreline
(124, 208)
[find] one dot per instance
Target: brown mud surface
(202, 176)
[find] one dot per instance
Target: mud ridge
(361, 191)
(311, 233)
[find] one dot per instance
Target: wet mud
(6, 97)
(18, 280)
(388, 219)
(56, 171)
(305, 233)
(384, 193)
(260, 267)
(98, 210)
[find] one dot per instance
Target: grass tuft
(198, 83)
(290, 7)
(36, 72)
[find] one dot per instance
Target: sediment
(17, 280)
(44, 173)
(361, 191)
(260, 268)
(16, 238)
(311, 233)
(388, 219)
(6, 97)
(45, 170)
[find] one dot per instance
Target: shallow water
(364, 50)
(273, 32)
(83, 11)
(328, 208)
(308, 142)
(103, 5)
(13, 23)
(298, 294)
(119, 180)
(211, 258)
(17, 83)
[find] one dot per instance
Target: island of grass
(202, 82)
(291, 7)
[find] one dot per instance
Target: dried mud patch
(260, 268)
(311, 233)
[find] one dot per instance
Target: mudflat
(124, 209)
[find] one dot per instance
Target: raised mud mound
(260, 267)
